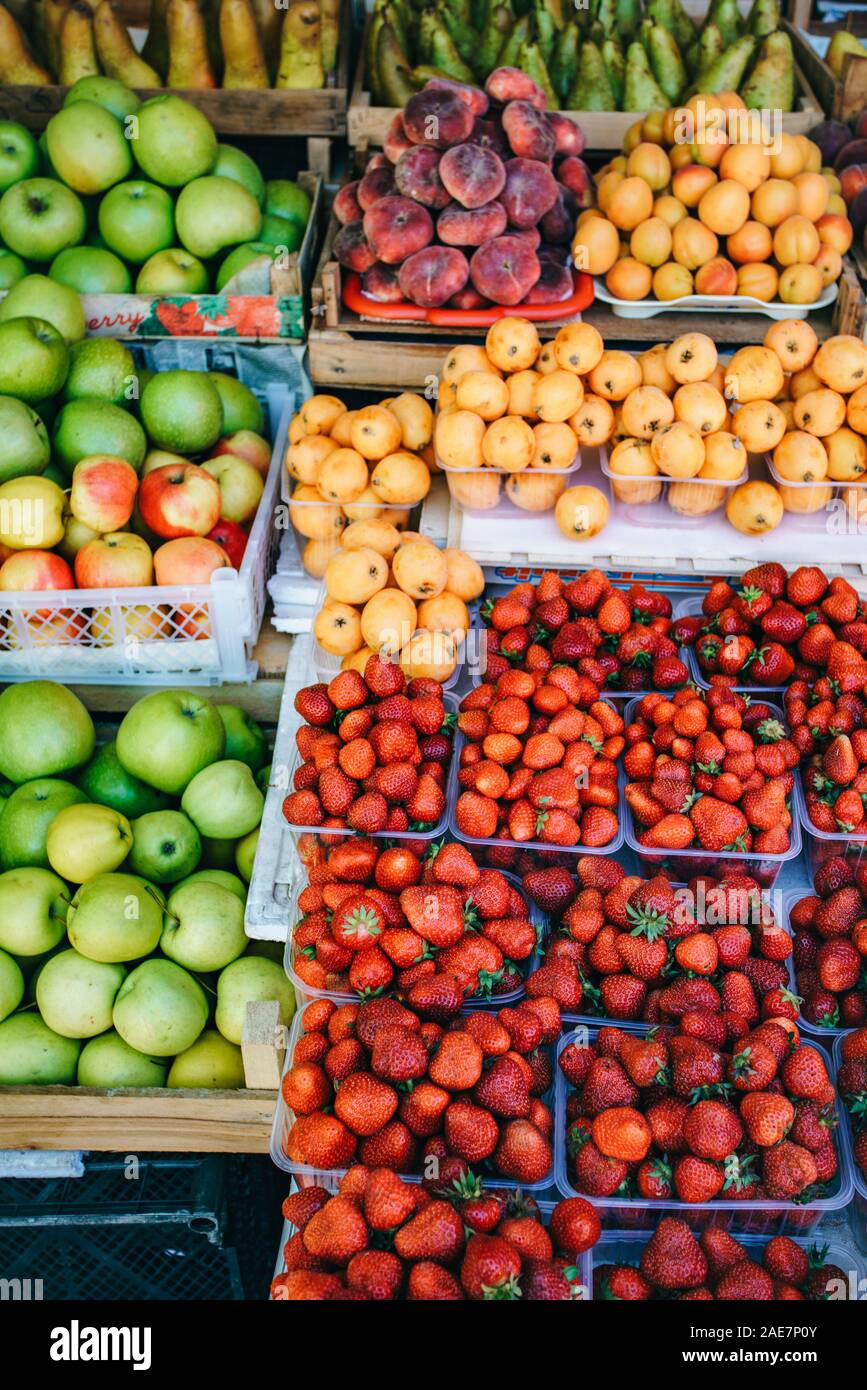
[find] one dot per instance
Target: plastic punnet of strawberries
(676, 1263)
(852, 1085)
(388, 1086)
(829, 929)
(617, 639)
(380, 918)
(769, 627)
(375, 752)
(675, 1117)
(828, 719)
(538, 764)
(382, 1238)
(708, 955)
(708, 768)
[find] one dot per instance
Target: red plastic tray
(361, 304)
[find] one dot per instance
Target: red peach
(381, 283)
(416, 175)
(529, 132)
(472, 174)
(474, 97)
(346, 205)
(438, 118)
(458, 226)
(432, 276)
(568, 135)
(396, 139)
(511, 84)
(351, 248)
(530, 191)
(398, 227)
(376, 184)
(503, 270)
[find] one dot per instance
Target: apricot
(829, 264)
(458, 436)
(794, 342)
(811, 153)
(375, 432)
(678, 450)
(578, 347)
(465, 577)
(342, 476)
(354, 576)
(415, 418)
(556, 446)
(691, 357)
(672, 281)
(630, 203)
(800, 284)
(773, 202)
(615, 375)
(789, 159)
(535, 492)
(701, 406)
(725, 207)
(319, 414)
(801, 458)
(813, 194)
(484, 393)
(693, 244)
(596, 244)
(754, 508)
(835, 232)
(581, 512)
(401, 479)
(796, 240)
(509, 444)
(847, 456)
(748, 165)
(650, 162)
(837, 205)
(695, 499)
(478, 492)
(303, 460)
(315, 556)
(716, 277)
(319, 522)
(636, 476)
(759, 426)
(820, 412)
(652, 127)
(629, 279)
(645, 410)
(753, 374)
(758, 282)
(558, 395)
(669, 209)
(841, 363)
(752, 243)
(521, 387)
(607, 183)
(512, 344)
(466, 358)
(337, 629)
(593, 423)
(420, 569)
(680, 156)
(379, 534)
(650, 243)
(803, 381)
(653, 369)
(367, 507)
(429, 656)
(690, 183)
(725, 457)
(856, 410)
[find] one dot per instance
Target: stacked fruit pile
(411, 918)
(697, 180)
(677, 1116)
(472, 185)
(503, 1248)
(374, 752)
(829, 927)
(676, 1262)
(122, 892)
(852, 1085)
(828, 726)
(121, 190)
(403, 1088)
(709, 956)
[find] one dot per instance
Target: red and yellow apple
(119, 560)
(190, 560)
(103, 492)
(159, 458)
(179, 500)
(34, 571)
(241, 486)
(245, 444)
(233, 539)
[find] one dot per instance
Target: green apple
(165, 847)
(34, 359)
(33, 905)
(172, 272)
(242, 256)
(11, 985)
(12, 269)
(204, 927)
(182, 411)
(44, 730)
(160, 1009)
(286, 199)
(213, 213)
(233, 163)
(40, 217)
(225, 880)
(107, 781)
(217, 854)
(26, 449)
(245, 740)
(211, 1063)
(100, 369)
(86, 427)
(241, 410)
(32, 1054)
(245, 854)
(173, 142)
(91, 270)
(105, 91)
(169, 736)
(25, 819)
(116, 917)
(137, 219)
(263, 778)
(281, 234)
(110, 1063)
(75, 996)
(36, 296)
(87, 840)
(247, 981)
(223, 800)
(19, 154)
(87, 147)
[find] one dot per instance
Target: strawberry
(786, 1261)
(673, 1259)
(306, 1088)
(721, 1251)
(377, 1274)
(470, 1131)
(427, 803)
(369, 813)
(300, 1206)
(767, 1116)
(314, 705)
(453, 863)
(491, 1269)
(321, 1141)
(712, 1130)
(553, 889)
(358, 922)
(305, 1285)
(476, 815)
(806, 586)
(839, 762)
(805, 1075)
(434, 1233)
(697, 1180)
(457, 1063)
(435, 911)
(745, 1280)
(303, 808)
(770, 576)
(398, 1055)
(430, 1282)
(397, 868)
(788, 1169)
(717, 825)
(523, 1152)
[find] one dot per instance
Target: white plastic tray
(718, 304)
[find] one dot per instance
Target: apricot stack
(724, 213)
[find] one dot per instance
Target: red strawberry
(673, 1259)
(434, 1233)
(435, 911)
(788, 1169)
(718, 826)
(430, 1282)
(491, 1269)
(523, 1152)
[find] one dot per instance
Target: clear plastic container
(684, 864)
(454, 790)
(691, 607)
(816, 1030)
(822, 844)
(764, 1216)
(349, 996)
(822, 507)
(483, 490)
(284, 1118)
(627, 1247)
(859, 1200)
(319, 524)
(635, 500)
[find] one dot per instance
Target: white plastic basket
(713, 303)
(202, 634)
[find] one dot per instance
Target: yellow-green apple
(160, 1009)
(34, 359)
(246, 444)
(204, 927)
(140, 623)
(87, 147)
(180, 500)
(109, 1062)
(32, 1054)
(33, 905)
(75, 535)
(166, 846)
(119, 560)
(136, 220)
(245, 854)
(31, 514)
(241, 486)
(249, 980)
(75, 996)
(39, 297)
(233, 539)
(40, 217)
(26, 817)
(214, 213)
(223, 801)
(224, 878)
(45, 731)
(26, 447)
(11, 985)
(116, 917)
(103, 492)
(87, 840)
(169, 736)
(19, 154)
(173, 271)
(159, 458)
(182, 410)
(173, 141)
(212, 1063)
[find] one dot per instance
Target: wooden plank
(263, 1045)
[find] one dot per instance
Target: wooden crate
(604, 130)
(845, 97)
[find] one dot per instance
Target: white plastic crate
(202, 634)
